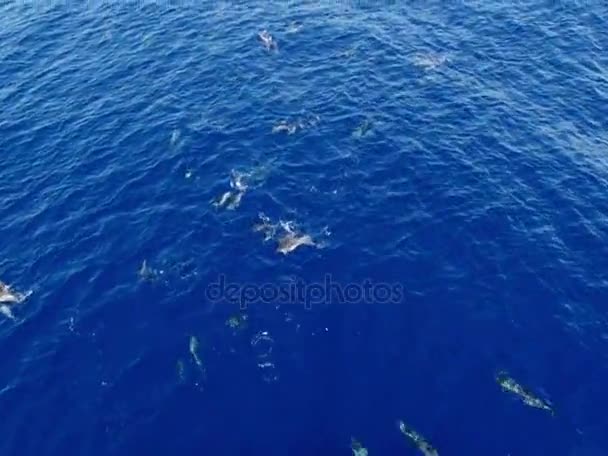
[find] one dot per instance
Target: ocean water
(458, 150)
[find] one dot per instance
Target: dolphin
(358, 448)
(223, 199)
(236, 201)
(365, 127)
(294, 27)
(6, 295)
(8, 298)
(267, 40)
(509, 385)
(291, 238)
(429, 61)
(193, 347)
(146, 273)
(423, 445)
(284, 126)
(231, 200)
(291, 241)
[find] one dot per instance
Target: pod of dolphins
(289, 240)
(507, 383)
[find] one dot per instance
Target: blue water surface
(459, 149)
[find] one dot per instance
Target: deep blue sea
(457, 150)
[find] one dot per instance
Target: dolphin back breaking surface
(510, 385)
(8, 298)
(423, 445)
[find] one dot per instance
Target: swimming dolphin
(267, 40)
(236, 201)
(146, 273)
(423, 445)
(291, 238)
(231, 200)
(6, 295)
(223, 199)
(193, 347)
(365, 127)
(294, 27)
(509, 385)
(358, 448)
(284, 126)
(429, 61)
(9, 298)
(299, 124)
(291, 241)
